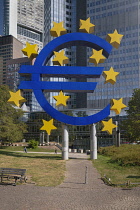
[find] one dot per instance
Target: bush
(33, 144)
(124, 155)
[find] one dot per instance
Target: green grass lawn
(21, 148)
(44, 170)
(119, 164)
(49, 170)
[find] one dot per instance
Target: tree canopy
(11, 127)
(132, 124)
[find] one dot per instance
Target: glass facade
(58, 11)
(123, 15)
(69, 12)
(79, 136)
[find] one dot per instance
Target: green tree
(132, 124)
(11, 127)
(33, 144)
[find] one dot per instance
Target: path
(73, 194)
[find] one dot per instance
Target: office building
(57, 11)
(107, 16)
(10, 48)
(70, 12)
(123, 15)
(23, 19)
(13, 79)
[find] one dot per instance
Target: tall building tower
(70, 12)
(30, 21)
(124, 16)
(57, 11)
(8, 17)
(23, 19)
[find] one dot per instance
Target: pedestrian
(25, 149)
(55, 151)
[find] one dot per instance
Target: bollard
(86, 175)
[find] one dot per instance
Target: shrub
(33, 144)
(124, 155)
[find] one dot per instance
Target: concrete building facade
(13, 79)
(23, 19)
(10, 48)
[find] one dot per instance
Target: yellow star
(86, 26)
(61, 99)
(60, 58)
(108, 126)
(117, 105)
(114, 39)
(31, 51)
(97, 57)
(16, 98)
(48, 126)
(58, 29)
(110, 76)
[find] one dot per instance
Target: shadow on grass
(133, 177)
(6, 184)
(29, 155)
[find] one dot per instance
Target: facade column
(47, 139)
(43, 138)
(117, 131)
(93, 143)
(65, 142)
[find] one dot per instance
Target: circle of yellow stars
(97, 57)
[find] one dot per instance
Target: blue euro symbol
(39, 68)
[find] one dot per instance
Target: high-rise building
(23, 19)
(57, 11)
(30, 21)
(108, 15)
(8, 17)
(70, 12)
(10, 48)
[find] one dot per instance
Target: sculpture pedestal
(65, 142)
(93, 143)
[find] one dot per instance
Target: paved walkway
(73, 194)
